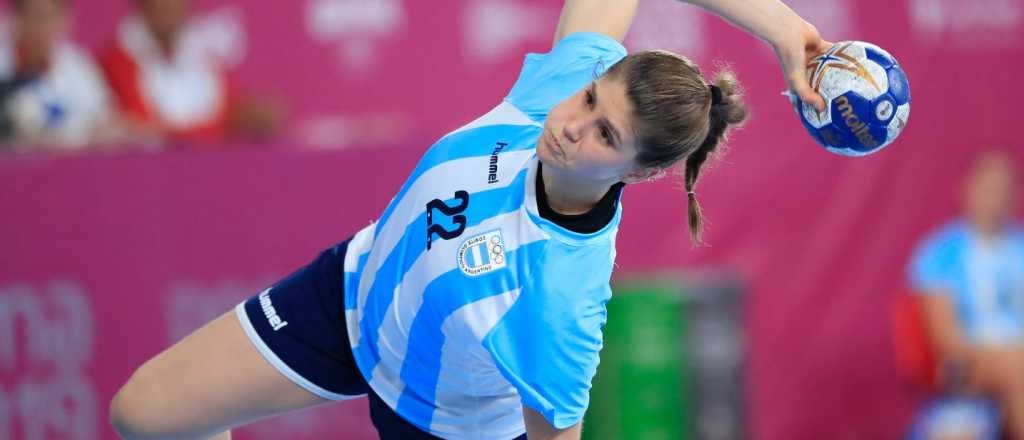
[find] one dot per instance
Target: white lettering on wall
(976, 25)
(59, 407)
(834, 19)
(190, 304)
(491, 29)
(46, 343)
(669, 26)
(355, 26)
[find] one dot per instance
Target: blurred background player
(165, 78)
(51, 93)
(970, 274)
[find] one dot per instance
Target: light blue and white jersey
(462, 302)
(983, 278)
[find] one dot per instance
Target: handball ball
(867, 97)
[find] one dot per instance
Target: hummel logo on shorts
(268, 309)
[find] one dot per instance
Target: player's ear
(643, 175)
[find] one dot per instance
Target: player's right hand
(794, 53)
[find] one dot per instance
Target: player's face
(590, 135)
(991, 192)
(41, 23)
(165, 17)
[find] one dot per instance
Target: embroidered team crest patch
(482, 253)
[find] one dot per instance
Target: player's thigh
(212, 380)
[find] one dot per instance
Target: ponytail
(725, 109)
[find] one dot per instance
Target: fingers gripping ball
(867, 99)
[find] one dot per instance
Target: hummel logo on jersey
(492, 168)
(268, 309)
(482, 253)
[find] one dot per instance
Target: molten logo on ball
(867, 97)
(854, 123)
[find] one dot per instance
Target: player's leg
(999, 373)
(212, 380)
(283, 349)
(1013, 397)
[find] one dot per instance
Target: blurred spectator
(165, 78)
(51, 93)
(971, 274)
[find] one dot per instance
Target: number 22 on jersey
(454, 212)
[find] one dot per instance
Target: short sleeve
(931, 267)
(548, 344)
(547, 79)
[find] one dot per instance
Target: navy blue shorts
(298, 325)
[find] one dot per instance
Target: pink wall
(148, 248)
(106, 259)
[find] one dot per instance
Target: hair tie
(716, 94)
(691, 193)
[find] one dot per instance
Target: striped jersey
(984, 279)
(462, 302)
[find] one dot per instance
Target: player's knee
(135, 411)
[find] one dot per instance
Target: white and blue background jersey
(463, 303)
(983, 278)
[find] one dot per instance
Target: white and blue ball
(867, 97)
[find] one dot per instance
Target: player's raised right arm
(794, 40)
